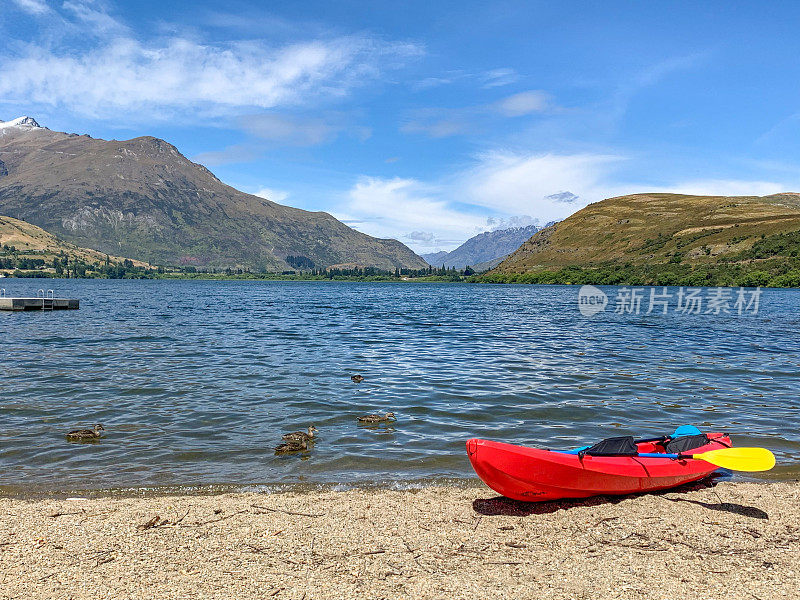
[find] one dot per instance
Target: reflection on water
(195, 381)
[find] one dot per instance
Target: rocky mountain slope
(647, 229)
(483, 248)
(142, 198)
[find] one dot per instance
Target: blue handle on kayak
(640, 455)
(575, 451)
(659, 455)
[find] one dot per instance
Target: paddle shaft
(662, 455)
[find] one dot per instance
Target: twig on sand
(414, 556)
(258, 549)
(373, 552)
(151, 523)
(238, 512)
(104, 560)
(183, 517)
(62, 514)
(157, 521)
(286, 512)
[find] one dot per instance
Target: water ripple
(195, 381)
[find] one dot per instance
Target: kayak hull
(535, 475)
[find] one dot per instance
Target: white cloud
(499, 77)
(295, 131)
(632, 84)
(427, 237)
(446, 122)
(238, 153)
(270, 194)
(523, 103)
(35, 7)
(302, 129)
(94, 18)
(486, 79)
(409, 210)
(499, 223)
(117, 73)
(520, 183)
(446, 78)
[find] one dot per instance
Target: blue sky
(426, 121)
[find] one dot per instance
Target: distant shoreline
(259, 277)
(620, 275)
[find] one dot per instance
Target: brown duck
(289, 447)
(377, 418)
(301, 436)
(357, 378)
(86, 434)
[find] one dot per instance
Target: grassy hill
(666, 239)
(27, 247)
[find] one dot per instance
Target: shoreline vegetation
(18, 263)
(734, 540)
(772, 261)
(775, 273)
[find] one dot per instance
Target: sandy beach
(733, 540)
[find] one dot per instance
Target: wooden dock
(42, 302)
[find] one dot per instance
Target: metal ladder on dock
(48, 299)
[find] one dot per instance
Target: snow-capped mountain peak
(21, 123)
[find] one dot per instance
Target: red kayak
(534, 475)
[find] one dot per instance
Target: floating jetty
(43, 301)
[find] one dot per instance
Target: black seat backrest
(615, 446)
(685, 443)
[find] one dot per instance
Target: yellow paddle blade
(739, 459)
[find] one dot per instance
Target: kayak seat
(615, 446)
(686, 443)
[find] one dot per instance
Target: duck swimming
(301, 436)
(288, 447)
(86, 434)
(357, 378)
(377, 418)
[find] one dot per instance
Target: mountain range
(143, 199)
(484, 250)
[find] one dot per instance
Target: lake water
(195, 381)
